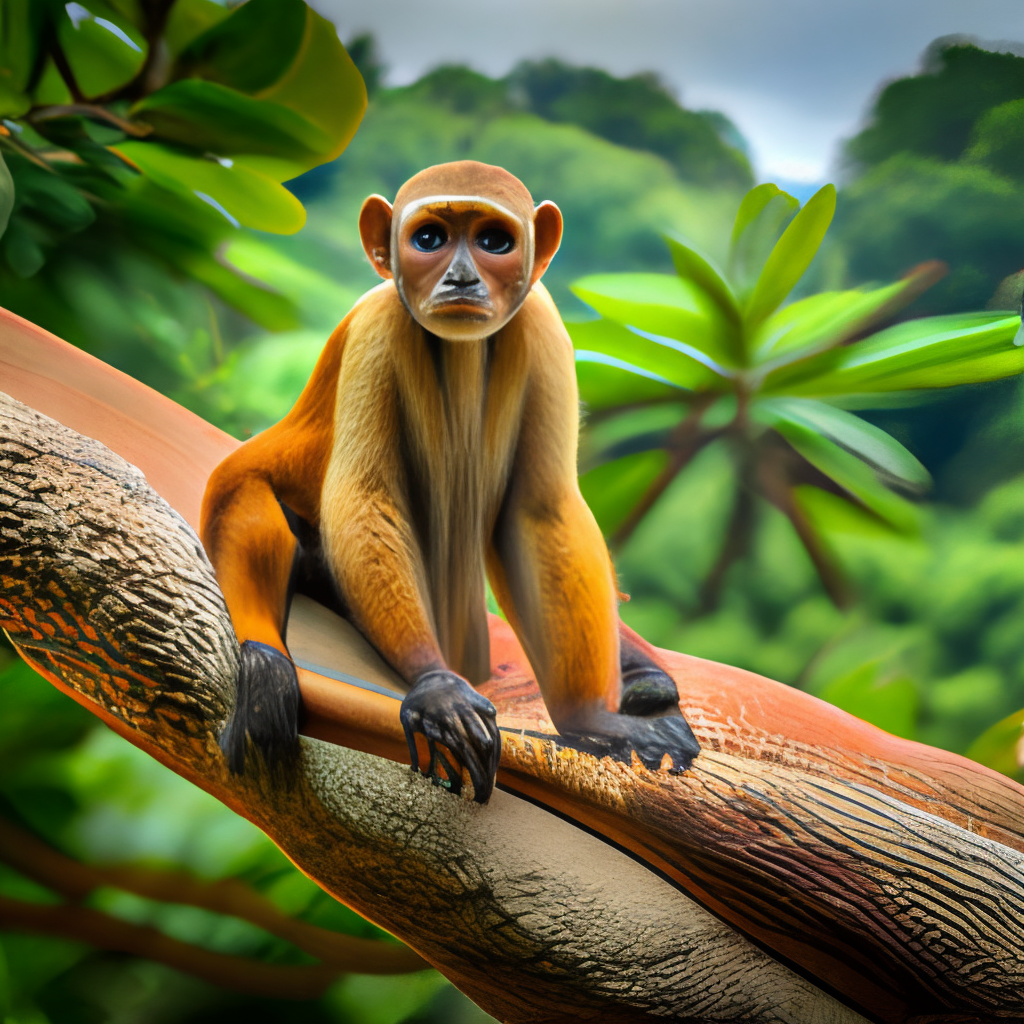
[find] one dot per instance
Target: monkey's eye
(429, 238)
(495, 240)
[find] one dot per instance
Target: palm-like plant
(706, 356)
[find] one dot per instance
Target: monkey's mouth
(462, 303)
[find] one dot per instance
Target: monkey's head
(464, 244)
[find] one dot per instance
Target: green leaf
(694, 266)
(1001, 747)
(631, 431)
(851, 474)
(284, 53)
(103, 48)
(666, 306)
(882, 452)
(23, 253)
(762, 215)
(828, 319)
(211, 117)
(6, 195)
(189, 19)
(751, 207)
(243, 196)
(21, 25)
(607, 383)
(933, 352)
(252, 48)
(891, 704)
(611, 490)
(642, 355)
(791, 256)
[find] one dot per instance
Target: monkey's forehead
(449, 205)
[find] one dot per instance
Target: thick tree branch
(890, 871)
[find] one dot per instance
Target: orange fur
(426, 463)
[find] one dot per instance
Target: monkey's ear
(375, 233)
(547, 234)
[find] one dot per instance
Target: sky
(796, 76)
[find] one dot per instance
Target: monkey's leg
(252, 550)
(553, 571)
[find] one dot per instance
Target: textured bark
(888, 872)
(106, 591)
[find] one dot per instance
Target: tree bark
(836, 858)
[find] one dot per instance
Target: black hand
(446, 710)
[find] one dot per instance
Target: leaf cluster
(712, 355)
(167, 124)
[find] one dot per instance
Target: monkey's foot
(266, 710)
(605, 734)
(455, 720)
(647, 690)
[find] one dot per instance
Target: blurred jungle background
(860, 537)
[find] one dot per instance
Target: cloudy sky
(795, 75)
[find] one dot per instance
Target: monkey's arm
(247, 538)
(551, 572)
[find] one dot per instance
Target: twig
(272, 981)
(93, 110)
(32, 857)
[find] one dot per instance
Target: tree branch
(272, 981)
(892, 872)
(75, 881)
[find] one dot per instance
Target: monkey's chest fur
(457, 401)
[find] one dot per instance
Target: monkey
(435, 446)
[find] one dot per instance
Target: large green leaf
(252, 48)
(214, 118)
(932, 352)
(663, 305)
(890, 703)
(850, 473)
(283, 52)
(607, 383)
(189, 19)
(695, 266)
(791, 256)
(878, 449)
(6, 195)
(611, 490)
(828, 319)
(104, 50)
(243, 196)
(633, 430)
(642, 355)
(21, 25)
(1000, 747)
(762, 215)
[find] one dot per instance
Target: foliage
(932, 650)
(704, 148)
(458, 114)
(938, 173)
(706, 356)
(154, 131)
(934, 113)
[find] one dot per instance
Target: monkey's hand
(266, 710)
(455, 720)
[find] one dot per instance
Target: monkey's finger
(410, 738)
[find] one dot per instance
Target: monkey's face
(462, 265)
